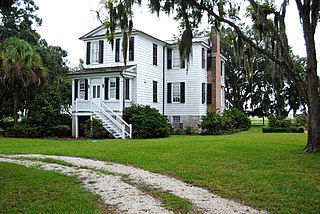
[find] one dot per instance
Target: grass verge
(30, 190)
(266, 171)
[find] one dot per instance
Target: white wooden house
(154, 76)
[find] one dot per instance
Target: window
(117, 51)
(176, 119)
(96, 91)
(176, 92)
(112, 88)
(95, 52)
(155, 92)
(82, 89)
(203, 93)
(155, 54)
(203, 58)
(131, 49)
(176, 59)
(169, 58)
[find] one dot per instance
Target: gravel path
(126, 197)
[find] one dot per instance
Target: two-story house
(154, 75)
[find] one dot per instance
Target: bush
(146, 122)
(237, 119)
(62, 131)
(292, 129)
(302, 120)
(94, 129)
(279, 122)
(212, 123)
(189, 130)
(215, 123)
(22, 131)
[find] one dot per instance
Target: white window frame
(176, 92)
(82, 89)
(112, 88)
(176, 119)
(95, 52)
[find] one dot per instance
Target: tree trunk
(309, 23)
(313, 143)
(15, 108)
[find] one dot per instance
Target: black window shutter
(169, 92)
(76, 82)
(203, 93)
(106, 88)
(169, 58)
(155, 91)
(117, 88)
(209, 94)
(182, 92)
(127, 87)
(209, 59)
(101, 51)
(131, 49)
(86, 89)
(155, 54)
(88, 53)
(117, 52)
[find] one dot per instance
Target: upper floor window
(174, 60)
(203, 58)
(131, 49)
(94, 52)
(117, 51)
(155, 54)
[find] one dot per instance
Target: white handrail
(120, 126)
(113, 113)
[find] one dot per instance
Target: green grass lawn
(36, 191)
(266, 171)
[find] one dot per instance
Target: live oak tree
(268, 20)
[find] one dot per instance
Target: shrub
(302, 120)
(292, 129)
(94, 129)
(146, 122)
(189, 130)
(236, 119)
(212, 123)
(22, 131)
(62, 131)
(279, 122)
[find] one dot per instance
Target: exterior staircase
(111, 121)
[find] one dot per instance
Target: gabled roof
(101, 31)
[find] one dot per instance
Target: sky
(64, 25)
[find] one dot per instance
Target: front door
(96, 89)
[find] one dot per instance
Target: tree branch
(282, 63)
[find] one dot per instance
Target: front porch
(112, 121)
(103, 93)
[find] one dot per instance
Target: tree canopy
(268, 21)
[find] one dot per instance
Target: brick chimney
(214, 73)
